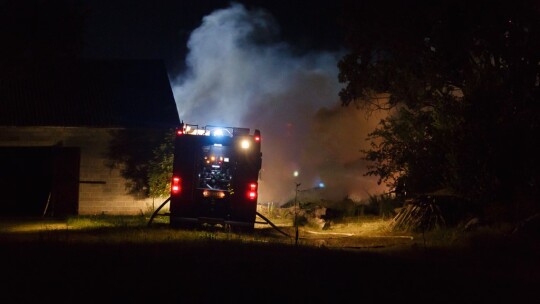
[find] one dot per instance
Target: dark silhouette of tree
(161, 167)
(460, 80)
(144, 158)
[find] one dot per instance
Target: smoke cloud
(240, 74)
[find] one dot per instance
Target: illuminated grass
(357, 232)
(120, 229)
(362, 226)
(18, 226)
(100, 221)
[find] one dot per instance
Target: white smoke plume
(239, 74)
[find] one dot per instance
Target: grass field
(119, 259)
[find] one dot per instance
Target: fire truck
(215, 176)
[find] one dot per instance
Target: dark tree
(460, 80)
(144, 158)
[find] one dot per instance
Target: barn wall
(102, 190)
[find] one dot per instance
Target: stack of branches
(418, 215)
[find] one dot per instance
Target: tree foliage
(144, 158)
(460, 80)
(161, 168)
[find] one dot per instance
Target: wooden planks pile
(418, 215)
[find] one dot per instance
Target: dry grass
(362, 226)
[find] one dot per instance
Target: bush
(379, 205)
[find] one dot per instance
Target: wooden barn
(56, 125)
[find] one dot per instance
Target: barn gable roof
(122, 93)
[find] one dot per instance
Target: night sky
(160, 29)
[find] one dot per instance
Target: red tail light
(252, 191)
(179, 132)
(175, 185)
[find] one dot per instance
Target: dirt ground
(45, 262)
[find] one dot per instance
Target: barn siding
(109, 197)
